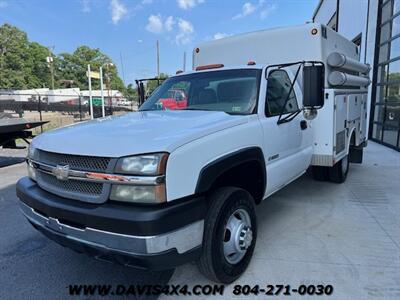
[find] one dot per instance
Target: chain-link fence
(59, 110)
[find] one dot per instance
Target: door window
(278, 88)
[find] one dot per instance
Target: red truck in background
(176, 99)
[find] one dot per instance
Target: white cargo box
(308, 42)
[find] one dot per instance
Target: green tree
(151, 85)
(15, 60)
(23, 64)
(131, 93)
(74, 66)
(38, 66)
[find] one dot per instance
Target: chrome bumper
(183, 239)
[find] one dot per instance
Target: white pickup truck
(160, 187)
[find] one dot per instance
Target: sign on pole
(94, 75)
(90, 92)
(102, 94)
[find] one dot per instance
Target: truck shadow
(6, 161)
(295, 200)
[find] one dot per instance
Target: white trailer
(177, 182)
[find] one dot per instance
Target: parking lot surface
(310, 232)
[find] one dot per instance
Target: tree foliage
(131, 92)
(23, 64)
(151, 85)
(74, 66)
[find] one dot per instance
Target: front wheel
(338, 173)
(230, 234)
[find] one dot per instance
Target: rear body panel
(343, 115)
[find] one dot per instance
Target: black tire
(212, 263)
(320, 173)
(338, 173)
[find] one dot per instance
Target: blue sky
(130, 28)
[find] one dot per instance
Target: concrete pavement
(310, 232)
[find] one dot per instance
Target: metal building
(374, 25)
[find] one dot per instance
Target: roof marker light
(212, 66)
(251, 63)
(179, 72)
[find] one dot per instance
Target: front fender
(215, 169)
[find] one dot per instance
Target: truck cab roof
(233, 67)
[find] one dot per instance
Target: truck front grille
(76, 162)
(73, 186)
(91, 192)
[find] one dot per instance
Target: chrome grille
(91, 192)
(73, 186)
(76, 162)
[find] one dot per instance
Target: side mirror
(313, 86)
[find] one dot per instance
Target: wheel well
(353, 138)
(248, 175)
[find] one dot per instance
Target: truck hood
(135, 133)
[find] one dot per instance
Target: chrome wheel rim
(238, 236)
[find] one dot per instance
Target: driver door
(288, 145)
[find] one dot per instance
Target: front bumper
(118, 232)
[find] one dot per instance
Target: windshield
(230, 91)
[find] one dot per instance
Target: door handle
(303, 124)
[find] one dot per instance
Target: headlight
(141, 165)
(148, 164)
(32, 153)
(31, 171)
(138, 194)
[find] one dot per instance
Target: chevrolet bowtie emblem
(61, 172)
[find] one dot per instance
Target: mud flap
(356, 155)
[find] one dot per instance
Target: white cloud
(220, 35)
(182, 28)
(155, 24)
(169, 23)
(185, 32)
(118, 11)
(247, 9)
(3, 4)
(267, 11)
(187, 4)
(85, 6)
(140, 41)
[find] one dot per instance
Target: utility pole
(184, 61)
(122, 67)
(158, 60)
(51, 66)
